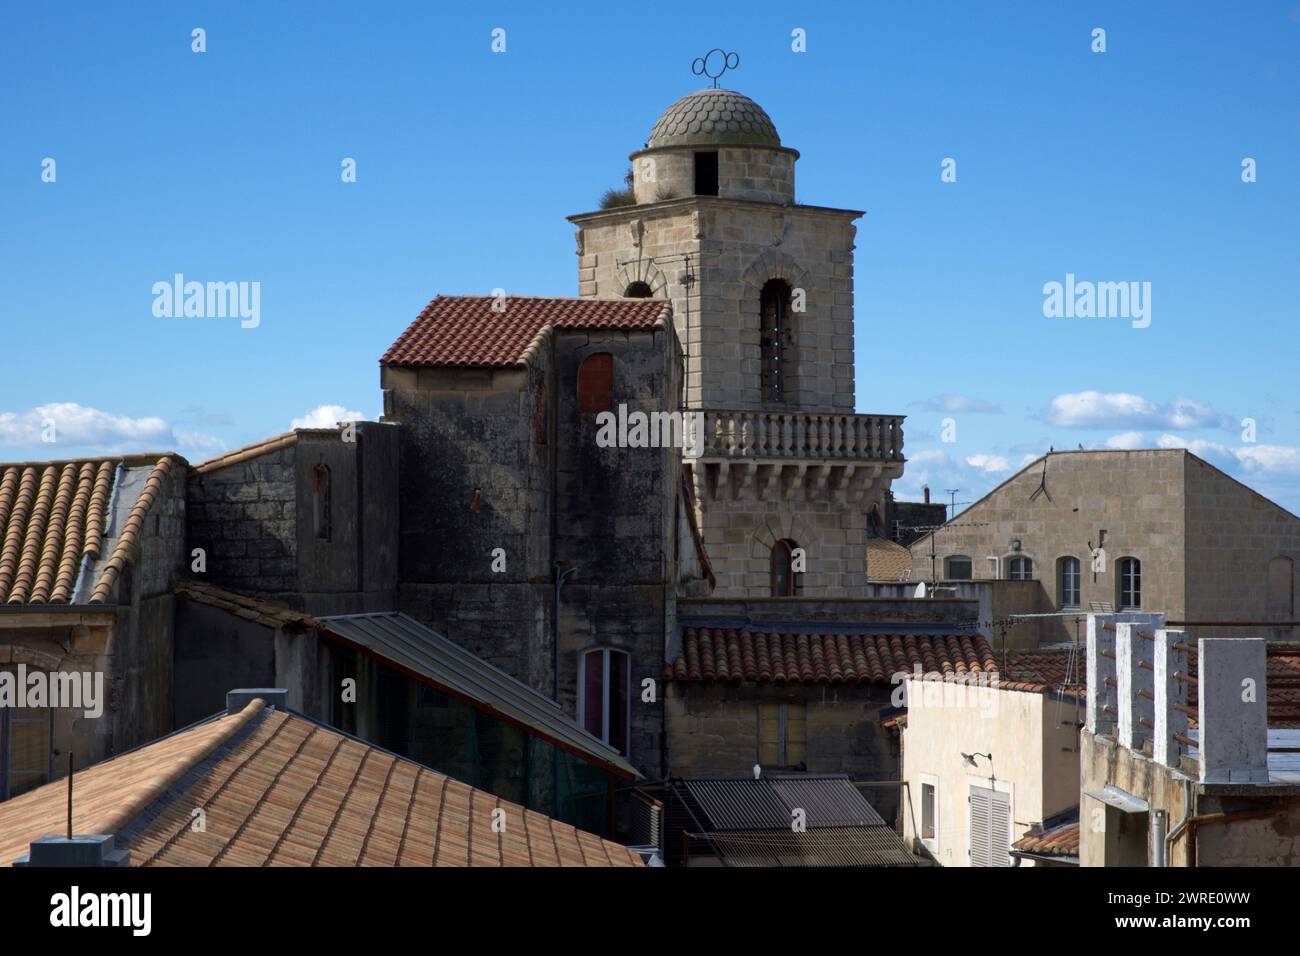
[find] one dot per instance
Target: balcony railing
(802, 435)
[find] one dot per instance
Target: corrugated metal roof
(827, 800)
(420, 650)
(830, 846)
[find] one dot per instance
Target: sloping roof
(278, 789)
(469, 330)
(748, 822)
(54, 521)
(731, 654)
(409, 646)
(247, 452)
(887, 560)
(242, 606)
(1060, 840)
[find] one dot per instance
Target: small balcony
(802, 435)
(779, 454)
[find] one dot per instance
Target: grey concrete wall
(217, 652)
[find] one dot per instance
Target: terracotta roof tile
(737, 654)
(1061, 840)
(53, 515)
(249, 608)
(468, 331)
(238, 455)
(887, 560)
(277, 789)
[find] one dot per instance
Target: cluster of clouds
(68, 430)
(1135, 422)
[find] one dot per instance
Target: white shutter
(979, 826)
(990, 827)
(1000, 829)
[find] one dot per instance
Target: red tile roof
(731, 654)
(248, 608)
(466, 330)
(1062, 840)
(54, 515)
(277, 789)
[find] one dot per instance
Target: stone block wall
(244, 516)
(1136, 496)
(753, 173)
(734, 248)
(1242, 552)
(739, 535)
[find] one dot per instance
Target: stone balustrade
(802, 435)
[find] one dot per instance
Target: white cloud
(959, 404)
(327, 416)
(1093, 409)
(989, 463)
(64, 429)
(1127, 441)
(1269, 459)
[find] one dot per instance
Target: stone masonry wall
(244, 517)
(1136, 496)
(734, 248)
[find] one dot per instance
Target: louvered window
(990, 827)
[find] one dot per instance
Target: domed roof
(714, 118)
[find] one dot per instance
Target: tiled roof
(53, 519)
(263, 447)
(250, 609)
(887, 560)
(467, 330)
(1061, 840)
(278, 789)
(731, 654)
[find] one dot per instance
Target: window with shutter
(990, 827)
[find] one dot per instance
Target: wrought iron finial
(701, 66)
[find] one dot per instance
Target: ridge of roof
(244, 453)
(469, 331)
(126, 540)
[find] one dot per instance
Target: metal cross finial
(701, 66)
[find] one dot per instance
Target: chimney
(925, 490)
(76, 851)
(1232, 709)
(237, 700)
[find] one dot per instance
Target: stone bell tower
(762, 295)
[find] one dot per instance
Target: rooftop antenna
(706, 65)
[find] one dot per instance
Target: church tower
(789, 479)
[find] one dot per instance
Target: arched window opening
(320, 502)
(786, 579)
(1068, 579)
(1130, 583)
(638, 290)
(596, 383)
(1020, 569)
(1281, 589)
(774, 336)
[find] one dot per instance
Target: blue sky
(1117, 166)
